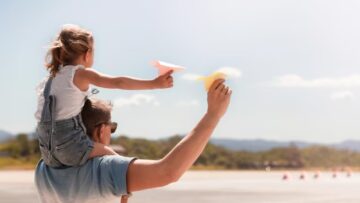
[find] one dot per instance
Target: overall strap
(48, 112)
(52, 113)
(45, 115)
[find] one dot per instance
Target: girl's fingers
(167, 74)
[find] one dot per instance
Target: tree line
(218, 157)
(213, 157)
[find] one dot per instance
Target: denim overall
(62, 143)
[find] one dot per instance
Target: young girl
(62, 135)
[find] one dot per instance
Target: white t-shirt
(69, 98)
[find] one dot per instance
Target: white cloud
(187, 103)
(229, 71)
(298, 81)
(343, 95)
(136, 100)
(190, 76)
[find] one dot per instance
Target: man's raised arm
(144, 174)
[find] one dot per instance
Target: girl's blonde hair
(72, 42)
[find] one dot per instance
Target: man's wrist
(213, 115)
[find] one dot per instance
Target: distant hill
(251, 145)
(5, 136)
(258, 145)
(353, 145)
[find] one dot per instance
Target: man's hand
(218, 98)
(164, 81)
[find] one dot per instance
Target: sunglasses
(113, 125)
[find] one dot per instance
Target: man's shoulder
(92, 163)
(112, 159)
(104, 176)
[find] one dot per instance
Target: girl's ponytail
(71, 43)
(54, 58)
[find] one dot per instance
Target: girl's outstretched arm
(84, 77)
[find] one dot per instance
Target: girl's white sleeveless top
(69, 98)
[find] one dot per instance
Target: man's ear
(98, 133)
(101, 132)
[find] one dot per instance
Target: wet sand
(217, 186)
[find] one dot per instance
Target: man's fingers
(229, 93)
(222, 88)
(216, 84)
(225, 90)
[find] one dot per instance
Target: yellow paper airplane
(208, 80)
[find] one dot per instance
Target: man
(104, 178)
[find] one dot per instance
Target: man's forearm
(144, 174)
(185, 153)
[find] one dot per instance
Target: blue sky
(299, 63)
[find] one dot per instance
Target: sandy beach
(217, 186)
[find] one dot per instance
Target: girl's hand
(164, 81)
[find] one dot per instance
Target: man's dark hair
(94, 113)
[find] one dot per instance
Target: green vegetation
(216, 157)
(23, 152)
(19, 153)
